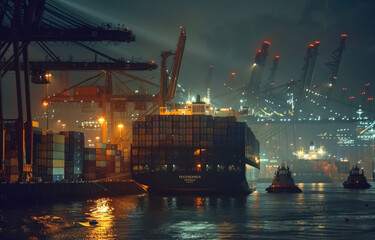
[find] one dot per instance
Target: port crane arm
(176, 66)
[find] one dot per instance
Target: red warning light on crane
(344, 89)
(344, 35)
(351, 97)
(367, 84)
(259, 51)
(370, 99)
(277, 57)
(181, 27)
(212, 66)
(267, 42)
(233, 74)
(363, 93)
(153, 62)
(311, 45)
(317, 42)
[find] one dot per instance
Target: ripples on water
(317, 213)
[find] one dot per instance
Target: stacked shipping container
(101, 162)
(55, 156)
(89, 164)
(74, 154)
(10, 160)
(191, 143)
(62, 156)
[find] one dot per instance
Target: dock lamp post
(120, 127)
(104, 128)
(45, 104)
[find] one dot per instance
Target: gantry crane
(40, 20)
(257, 69)
(104, 94)
(334, 65)
(168, 91)
(273, 70)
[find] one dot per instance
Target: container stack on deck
(62, 156)
(110, 159)
(55, 156)
(74, 154)
(89, 164)
(39, 155)
(169, 142)
(118, 159)
(101, 163)
(125, 162)
(10, 160)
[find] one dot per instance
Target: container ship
(195, 149)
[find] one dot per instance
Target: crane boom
(176, 65)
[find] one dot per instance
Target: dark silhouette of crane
(23, 22)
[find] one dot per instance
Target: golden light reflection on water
(199, 203)
(53, 224)
(102, 212)
(257, 223)
(300, 199)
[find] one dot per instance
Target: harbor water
(322, 211)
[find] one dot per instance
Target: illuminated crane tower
(310, 72)
(257, 68)
(298, 87)
(334, 66)
(271, 78)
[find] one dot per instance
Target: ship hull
(199, 182)
(356, 185)
(286, 189)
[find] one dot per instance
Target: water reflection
(102, 212)
(199, 203)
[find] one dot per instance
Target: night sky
(227, 34)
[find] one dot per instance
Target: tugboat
(283, 182)
(356, 179)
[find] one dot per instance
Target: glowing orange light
(367, 84)
(233, 74)
(259, 51)
(317, 42)
(153, 62)
(120, 125)
(370, 99)
(291, 80)
(277, 57)
(101, 120)
(45, 103)
(181, 27)
(344, 35)
(352, 97)
(267, 42)
(311, 45)
(199, 166)
(363, 93)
